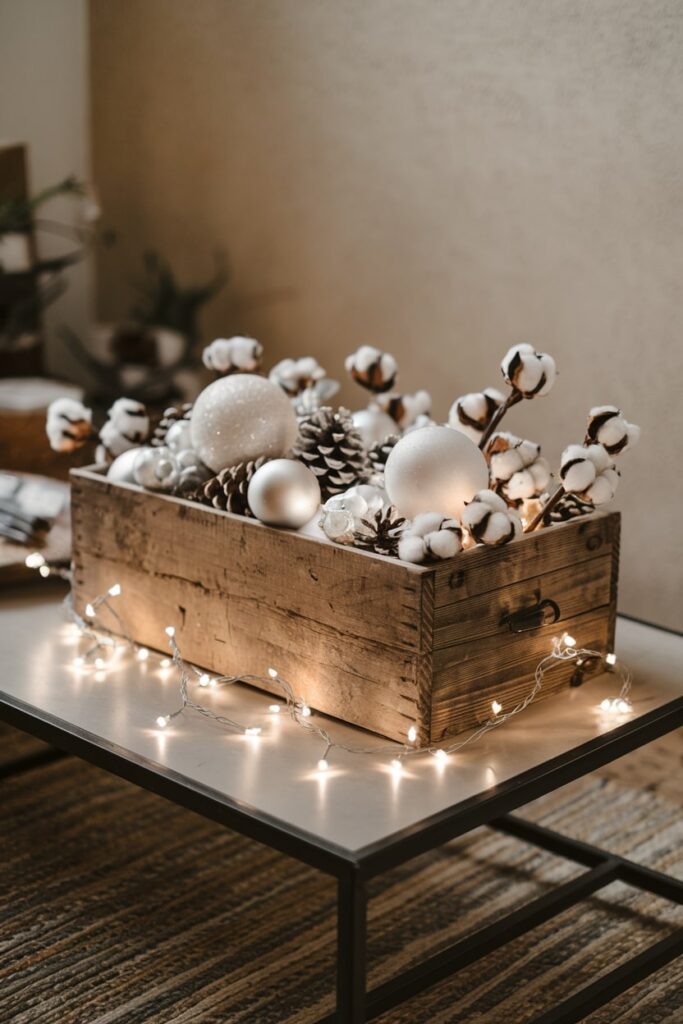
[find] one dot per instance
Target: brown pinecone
(570, 506)
(332, 448)
(384, 531)
(168, 417)
(379, 453)
(228, 490)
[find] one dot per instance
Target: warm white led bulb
(322, 765)
(170, 631)
(89, 611)
(274, 709)
(623, 706)
(441, 755)
(115, 590)
(34, 560)
(412, 734)
(143, 654)
(44, 571)
(606, 704)
(396, 766)
(306, 711)
(162, 721)
(611, 659)
(99, 662)
(272, 672)
(253, 730)
(165, 663)
(204, 679)
(79, 662)
(496, 707)
(569, 641)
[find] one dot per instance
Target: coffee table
(359, 818)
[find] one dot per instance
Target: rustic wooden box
(373, 641)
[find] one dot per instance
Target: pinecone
(228, 490)
(332, 448)
(384, 530)
(568, 507)
(378, 454)
(168, 417)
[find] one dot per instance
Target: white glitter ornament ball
(284, 492)
(156, 468)
(239, 419)
(434, 469)
(121, 470)
(373, 425)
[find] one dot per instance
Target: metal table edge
(173, 786)
(482, 808)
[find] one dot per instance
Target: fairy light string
(564, 650)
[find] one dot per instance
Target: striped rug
(119, 908)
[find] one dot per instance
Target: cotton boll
(578, 476)
(373, 369)
(527, 371)
(608, 426)
(443, 543)
(226, 355)
(604, 488)
(68, 425)
(129, 418)
(296, 375)
(405, 409)
(490, 521)
(412, 549)
(599, 457)
(473, 412)
(426, 522)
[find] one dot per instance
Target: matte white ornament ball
(239, 419)
(156, 469)
(121, 469)
(434, 469)
(373, 425)
(284, 492)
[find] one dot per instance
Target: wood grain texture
(373, 641)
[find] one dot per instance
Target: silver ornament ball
(156, 469)
(239, 419)
(284, 492)
(121, 469)
(374, 426)
(178, 437)
(434, 469)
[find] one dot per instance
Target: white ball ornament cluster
(434, 468)
(284, 492)
(242, 418)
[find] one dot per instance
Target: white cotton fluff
(430, 536)
(127, 426)
(238, 353)
(608, 426)
(530, 372)
(372, 368)
(528, 482)
(489, 520)
(293, 375)
(588, 471)
(68, 424)
(472, 413)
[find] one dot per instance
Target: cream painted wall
(441, 178)
(44, 103)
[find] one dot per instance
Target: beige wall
(43, 102)
(439, 178)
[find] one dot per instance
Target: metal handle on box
(543, 613)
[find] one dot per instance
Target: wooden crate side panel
(468, 677)
(574, 590)
(482, 570)
(364, 596)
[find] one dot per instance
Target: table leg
(351, 938)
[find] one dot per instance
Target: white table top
(359, 800)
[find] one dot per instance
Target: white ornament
(284, 492)
(155, 468)
(434, 468)
(239, 419)
(373, 425)
(178, 436)
(121, 471)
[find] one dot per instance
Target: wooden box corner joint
(378, 643)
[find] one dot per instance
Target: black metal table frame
(354, 1004)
